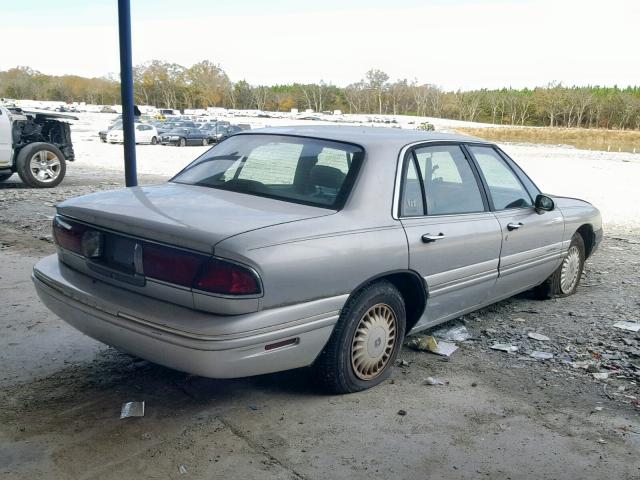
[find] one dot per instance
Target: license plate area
(119, 254)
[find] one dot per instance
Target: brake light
(68, 235)
(218, 276)
(170, 264)
(198, 271)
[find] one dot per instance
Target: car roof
(366, 136)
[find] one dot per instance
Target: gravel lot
(498, 415)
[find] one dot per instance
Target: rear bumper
(225, 355)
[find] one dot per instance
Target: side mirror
(544, 203)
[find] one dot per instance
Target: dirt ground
(499, 415)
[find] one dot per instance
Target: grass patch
(583, 138)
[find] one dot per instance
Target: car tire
(182, 142)
(566, 278)
(204, 142)
(154, 141)
(365, 342)
(5, 176)
(103, 140)
(43, 158)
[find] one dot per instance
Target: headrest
(325, 176)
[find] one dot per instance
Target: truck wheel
(41, 165)
(5, 176)
(564, 281)
(366, 340)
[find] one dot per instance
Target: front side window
(449, 183)
(504, 186)
(296, 169)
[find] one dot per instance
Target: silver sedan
(288, 247)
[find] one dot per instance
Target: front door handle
(514, 226)
(428, 238)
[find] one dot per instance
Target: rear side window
(412, 204)
(302, 170)
(450, 186)
(504, 186)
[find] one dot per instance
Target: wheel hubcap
(45, 166)
(570, 270)
(373, 342)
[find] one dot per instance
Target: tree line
(205, 84)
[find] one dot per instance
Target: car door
(140, 134)
(453, 238)
(6, 147)
(531, 240)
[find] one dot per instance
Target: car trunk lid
(187, 216)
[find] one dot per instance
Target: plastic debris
(457, 333)
(433, 381)
(402, 413)
(430, 344)
(182, 469)
(538, 336)
(630, 326)
(600, 375)
(132, 409)
(541, 355)
(443, 348)
(504, 347)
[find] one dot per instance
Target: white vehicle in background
(144, 132)
(36, 145)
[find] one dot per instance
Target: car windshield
(295, 169)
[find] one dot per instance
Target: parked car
(36, 145)
(185, 136)
(286, 247)
(144, 133)
(116, 125)
(172, 125)
(217, 133)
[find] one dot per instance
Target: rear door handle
(514, 226)
(428, 238)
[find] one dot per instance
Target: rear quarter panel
(318, 258)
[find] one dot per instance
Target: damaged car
(321, 246)
(35, 145)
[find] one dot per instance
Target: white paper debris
(433, 381)
(538, 336)
(132, 409)
(541, 355)
(631, 326)
(443, 348)
(505, 347)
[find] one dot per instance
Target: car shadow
(114, 377)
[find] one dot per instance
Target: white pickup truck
(36, 145)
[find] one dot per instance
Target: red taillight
(197, 271)
(218, 276)
(170, 264)
(68, 235)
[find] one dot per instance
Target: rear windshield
(301, 170)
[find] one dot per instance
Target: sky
(455, 44)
